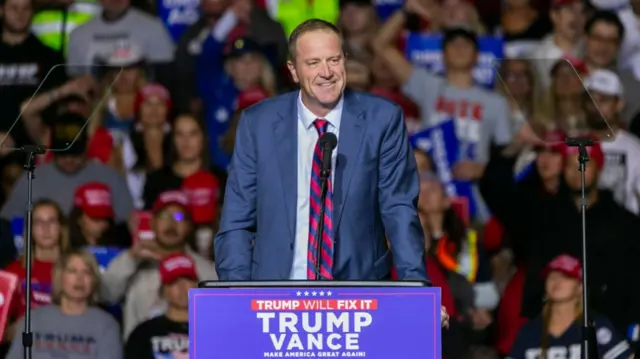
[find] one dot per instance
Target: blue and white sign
(426, 51)
(177, 15)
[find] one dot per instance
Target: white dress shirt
(307, 138)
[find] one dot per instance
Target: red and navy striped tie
(326, 241)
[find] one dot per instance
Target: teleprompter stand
(589, 349)
(30, 151)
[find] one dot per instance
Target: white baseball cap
(605, 82)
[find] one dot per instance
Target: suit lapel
(286, 141)
(352, 129)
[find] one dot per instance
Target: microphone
(328, 143)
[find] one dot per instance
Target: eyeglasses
(176, 216)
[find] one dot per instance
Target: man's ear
(293, 72)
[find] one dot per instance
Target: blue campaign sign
(376, 323)
(17, 231)
(386, 8)
(177, 15)
(426, 51)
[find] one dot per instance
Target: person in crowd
(203, 190)
(123, 79)
(254, 23)
(50, 242)
(556, 332)
(187, 156)
(73, 314)
(222, 75)
(24, 64)
(134, 276)
(358, 22)
(519, 86)
(605, 33)
(373, 192)
(568, 19)
(95, 41)
(564, 103)
(91, 222)
(457, 248)
(522, 26)
(385, 84)
(11, 167)
(545, 227)
(479, 117)
(167, 335)
(69, 169)
(148, 143)
(621, 173)
(460, 13)
(245, 100)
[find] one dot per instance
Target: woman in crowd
(517, 83)
(565, 101)
(50, 241)
(556, 333)
(73, 314)
(224, 72)
(91, 222)
(147, 146)
(124, 78)
(358, 22)
(521, 22)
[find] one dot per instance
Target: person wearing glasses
(134, 274)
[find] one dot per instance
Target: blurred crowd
(141, 116)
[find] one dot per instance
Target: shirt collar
(307, 117)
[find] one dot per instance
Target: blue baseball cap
(243, 46)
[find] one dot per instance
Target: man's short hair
(309, 26)
(607, 17)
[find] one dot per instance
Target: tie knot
(321, 125)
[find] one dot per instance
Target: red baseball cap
(554, 141)
(176, 266)
(94, 199)
(178, 198)
(595, 152)
(250, 97)
(152, 90)
(576, 63)
(565, 264)
(203, 190)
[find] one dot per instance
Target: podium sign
(336, 322)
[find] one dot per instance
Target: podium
(311, 319)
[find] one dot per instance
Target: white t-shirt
(621, 172)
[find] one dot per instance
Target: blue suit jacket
(375, 193)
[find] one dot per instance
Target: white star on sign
(329, 293)
(306, 294)
(314, 293)
(322, 294)
(299, 293)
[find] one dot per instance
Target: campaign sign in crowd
(315, 322)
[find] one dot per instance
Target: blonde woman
(50, 241)
(519, 86)
(556, 333)
(73, 314)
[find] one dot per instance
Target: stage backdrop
(373, 323)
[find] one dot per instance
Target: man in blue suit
(270, 215)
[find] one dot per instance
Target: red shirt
(41, 277)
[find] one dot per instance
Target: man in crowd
(167, 336)
(480, 117)
(134, 274)
(568, 18)
(70, 169)
(621, 173)
(24, 64)
(120, 25)
(549, 226)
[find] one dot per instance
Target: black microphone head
(328, 141)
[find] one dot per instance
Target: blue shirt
(567, 346)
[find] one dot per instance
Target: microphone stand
(30, 166)
(324, 177)
(588, 349)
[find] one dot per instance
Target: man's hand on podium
(445, 317)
